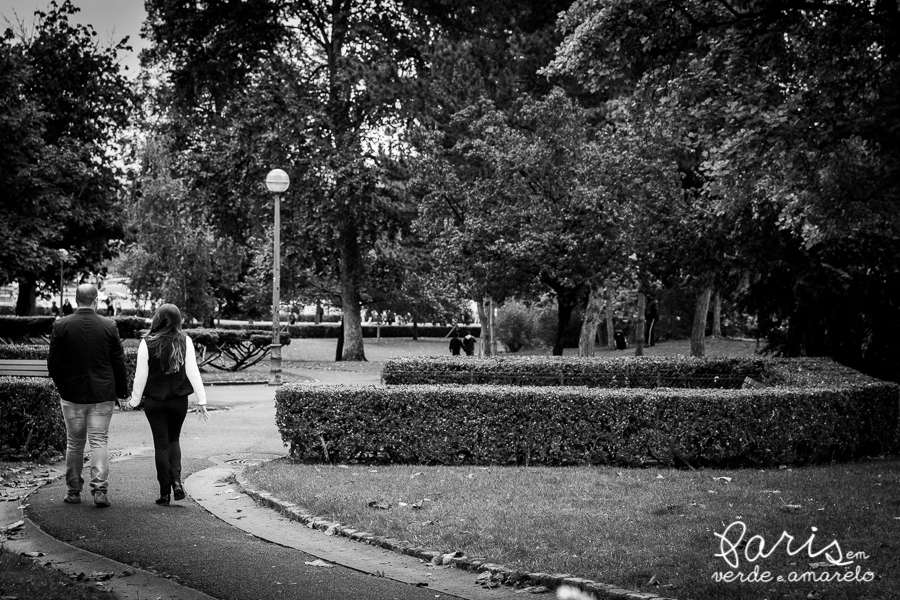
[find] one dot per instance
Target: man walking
(87, 364)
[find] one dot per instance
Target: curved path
(217, 543)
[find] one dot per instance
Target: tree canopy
(63, 105)
(792, 111)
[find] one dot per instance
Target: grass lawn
(655, 530)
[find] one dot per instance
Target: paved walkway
(217, 543)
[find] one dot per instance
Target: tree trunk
(610, 320)
(641, 319)
(565, 304)
(717, 316)
(483, 318)
(339, 351)
(701, 310)
(26, 302)
(351, 302)
(593, 315)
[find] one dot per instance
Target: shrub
(42, 351)
(33, 425)
(564, 425)
(515, 326)
(18, 328)
(647, 372)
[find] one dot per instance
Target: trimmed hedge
(628, 372)
(33, 424)
(330, 330)
(815, 411)
(18, 328)
(42, 351)
(562, 426)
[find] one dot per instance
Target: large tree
(337, 77)
(543, 203)
(792, 108)
(63, 104)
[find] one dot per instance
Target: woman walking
(165, 376)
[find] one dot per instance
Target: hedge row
(231, 337)
(29, 406)
(491, 425)
(18, 328)
(33, 425)
(619, 372)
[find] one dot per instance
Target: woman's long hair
(166, 341)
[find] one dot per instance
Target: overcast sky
(112, 19)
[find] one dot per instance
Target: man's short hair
(85, 294)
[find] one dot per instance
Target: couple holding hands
(87, 364)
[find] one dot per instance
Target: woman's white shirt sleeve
(193, 371)
(140, 374)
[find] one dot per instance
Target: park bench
(23, 367)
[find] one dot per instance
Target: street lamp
(277, 181)
(63, 255)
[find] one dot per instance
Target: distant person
(320, 312)
(165, 376)
(117, 307)
(54, 309)
(109, 306)
(67, 308)
(87, 364)
(456, 344)
(468, 344)
(619, 337)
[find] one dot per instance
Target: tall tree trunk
(717, 316)
(641, 319)
(701, 310)
(351, 302)
(26, 303)
(484, 319)
(593, 315)
(565, 305)
(610, 320)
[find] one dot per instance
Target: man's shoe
(72, 498)
(100, 500)
(163, 500)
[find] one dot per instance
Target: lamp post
(277, 181)
(63, 255)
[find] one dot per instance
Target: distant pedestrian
(117, 307)
(456, 344)
(67, 308)
(165, 376)
(468, 344)
(87, 364)
(109, 306)
(54, 309)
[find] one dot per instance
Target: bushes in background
(813, 411)
(33, 424)
(647, 372)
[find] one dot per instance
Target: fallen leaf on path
(318, 563)
(378, 505)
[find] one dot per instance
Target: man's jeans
(87, 422)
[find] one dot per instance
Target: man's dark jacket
(86, 361)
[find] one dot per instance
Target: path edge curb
(490, 573)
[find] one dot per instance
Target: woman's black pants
(166, 418)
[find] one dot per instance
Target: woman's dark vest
(161, 386)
